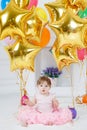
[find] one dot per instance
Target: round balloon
(41, 13)
(84, 99)
(25, 97)
(4, 4)
(45, 37)
(81, 54)
(83, 13)
(32, 3)
(74, 112)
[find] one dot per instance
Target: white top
(44, 102)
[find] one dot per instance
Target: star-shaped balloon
(13, 32)
(69, 33)
(79, 3)
(11, 17)
(33, 23)
(84, 36)
(65, 55)
(22, 55)
(75, 4)
(22, 3)
(58, 8)
(69, 29)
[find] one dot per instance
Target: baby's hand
(26, 101)
(55, 105)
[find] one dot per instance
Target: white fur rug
(9, 104)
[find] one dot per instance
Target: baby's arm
(55, 104)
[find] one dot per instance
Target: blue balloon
(4, 4)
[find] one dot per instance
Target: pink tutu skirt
(31, 116)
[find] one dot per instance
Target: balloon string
(86, 76)
(23, 81)
(82, 64)
(72, 88)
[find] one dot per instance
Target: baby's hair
(42, 79)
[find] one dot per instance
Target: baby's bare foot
(50, 123)
(24, 124)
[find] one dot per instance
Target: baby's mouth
(43, 90)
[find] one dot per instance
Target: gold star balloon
(65, 55)
(58, 8)
(22, 55)
(75, 4)
(33, 23)
(22, 3)
(79, 3)
(69, 29)
(10, 17)
(13, 32)
(69, 33)
(84, 36)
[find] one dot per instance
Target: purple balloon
(74, 112)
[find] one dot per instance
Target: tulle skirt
(30, 115)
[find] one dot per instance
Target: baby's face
(44, 88)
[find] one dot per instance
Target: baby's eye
(46, 86)
(41, 85)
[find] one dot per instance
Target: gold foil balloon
(11, 17)
(22, 3)
(80, 3)
(69, 33)
(65, 55)
(56, 10)
(69, 22)
(33, 23)
(75, 4)
(73, 39)
(84, 36)
(22, 54)
(13, 32)
(69, 30)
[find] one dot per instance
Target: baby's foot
(50, 123)
(24, 124)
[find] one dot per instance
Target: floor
(9, 104)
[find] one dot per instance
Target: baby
(44, 108)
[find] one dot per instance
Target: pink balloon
(81, 53)
(23, 99)
(32, 3)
